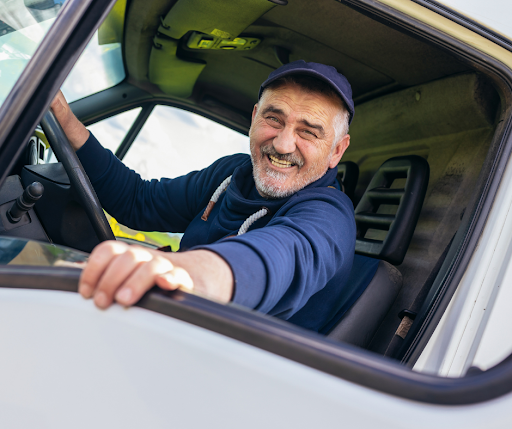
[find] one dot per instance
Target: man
(272, 232)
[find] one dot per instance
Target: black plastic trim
(119, 98)
(340, 360)
(134, 130)
(43, 278)
(81, 107)
(470, 24)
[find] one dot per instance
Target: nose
(284, 142)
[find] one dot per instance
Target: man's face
(292, 140)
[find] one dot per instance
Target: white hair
(340, 125)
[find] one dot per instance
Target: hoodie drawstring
(251, 219)
(215, 197)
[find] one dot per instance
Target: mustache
(288, 157)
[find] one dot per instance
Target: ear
(339, 150)
(254, 111)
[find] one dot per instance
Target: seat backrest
(380, 281)
(348, 174)
(386, 216)
(362, 320)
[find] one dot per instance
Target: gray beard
(275, 190)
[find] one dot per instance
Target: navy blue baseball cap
(328, 74)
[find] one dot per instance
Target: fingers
(62, 111)
(59, 104)
(142, 279)
(117, 273)
(120, 272)
(75, 131)
(100, 258)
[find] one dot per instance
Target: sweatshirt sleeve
(279, 267)
(156, 205)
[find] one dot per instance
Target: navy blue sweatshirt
(293, 263)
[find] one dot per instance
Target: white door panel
(66, 364)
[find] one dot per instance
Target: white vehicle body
(72, 365)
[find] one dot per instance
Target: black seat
(380, 283)
(384, 235)
(348, 174)
(382, 241)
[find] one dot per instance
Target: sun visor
(218, 20)
(173, 75)
(225, 19)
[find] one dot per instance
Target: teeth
(279, 162)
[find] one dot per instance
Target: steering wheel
(77, 176)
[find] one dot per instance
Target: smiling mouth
(279, 162)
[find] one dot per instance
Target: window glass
(495, 15)
(111, 131)
(174, 142)
(99, 67)
(23, 24)
(101, 64)
(19, 251)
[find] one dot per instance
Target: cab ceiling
(375, 58)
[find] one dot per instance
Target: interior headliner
(375, 58)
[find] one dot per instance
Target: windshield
(99, 67)
(101, 64)
(494, 14)
(23, 24)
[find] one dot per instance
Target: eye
(273, 121)
(309, 134)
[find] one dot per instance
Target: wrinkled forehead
(307, 88)
(292, 99)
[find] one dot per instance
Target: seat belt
(409, 314)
